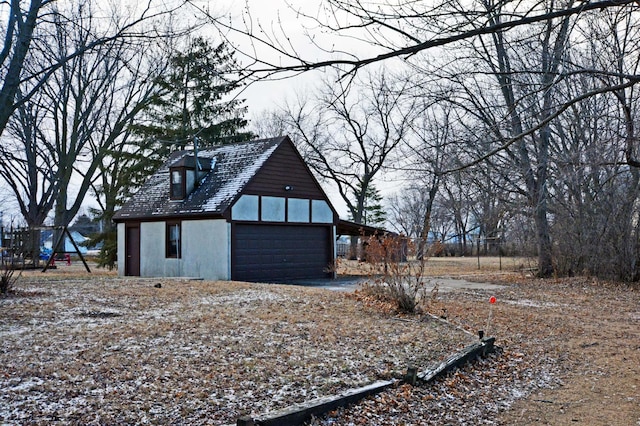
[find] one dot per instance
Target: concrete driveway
(342, 283)
(351, 283)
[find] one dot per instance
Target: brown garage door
(280, 253)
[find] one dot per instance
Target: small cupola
(185, 174)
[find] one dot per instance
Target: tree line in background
(511, 122)
(494, 120)
(105, 93)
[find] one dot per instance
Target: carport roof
(346, 227)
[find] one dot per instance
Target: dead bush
(394, 274)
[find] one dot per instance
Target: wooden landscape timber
(297, 414)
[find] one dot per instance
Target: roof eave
(346, 227)
(172, 216)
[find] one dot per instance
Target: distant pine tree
(374, 213)
(85, 225)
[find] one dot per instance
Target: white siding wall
(152, 251)
(205, 250)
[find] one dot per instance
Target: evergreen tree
(85, 225)
(191, 102)
(374, 214)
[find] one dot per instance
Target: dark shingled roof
(230, 169)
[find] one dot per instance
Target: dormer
(185, 174)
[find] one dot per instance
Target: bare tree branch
(264, 68)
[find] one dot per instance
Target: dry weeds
(104, 350)
(571, 355)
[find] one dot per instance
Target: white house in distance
(250, 211)
(78, 238)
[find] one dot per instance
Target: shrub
(7, 279)
(395, 275)
(108, 257)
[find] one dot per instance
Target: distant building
(78, 238)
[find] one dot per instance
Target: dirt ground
(81, 349)
(570, 349)
(593, 330)
(587, 331)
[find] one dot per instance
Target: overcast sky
(277, 19)
(280, 20)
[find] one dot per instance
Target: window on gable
(174, 240)
(178, 188)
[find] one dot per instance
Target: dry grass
(97, 349)
(466, 267)
(571, 355)
(79, 349)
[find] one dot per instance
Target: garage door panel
(280, 253)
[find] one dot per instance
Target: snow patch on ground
(532, 303)
(244, 297)
(124, 352)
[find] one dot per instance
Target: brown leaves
(194, 352)
(205, 353)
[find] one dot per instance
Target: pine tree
(192, 105)
(189, 103)
(374, 214)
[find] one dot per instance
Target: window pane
(175, 232)
(177, 186)
(173, 240)
(298, 210)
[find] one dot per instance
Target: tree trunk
(426, 222)
(545, 259)
(25, 26)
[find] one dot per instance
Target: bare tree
(398, 29)
(491, 206)
(534, 171)
(19, 28)
(458, 201)
(25, 18)
(428, 153)
(66, 128)
(594, 190)
(522, 93)
(124, 156)
(407, 210)
(26, 164)
(507, 87)
(349, 136)
(268, 124)
(442, 225)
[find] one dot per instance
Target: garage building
(250, 211)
